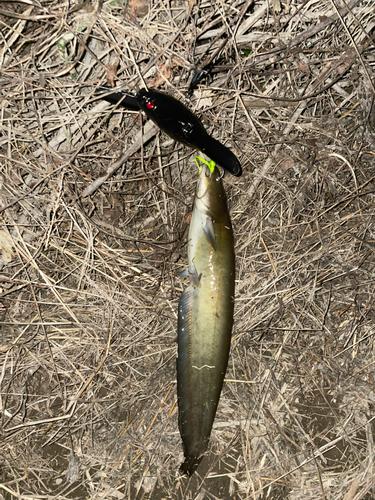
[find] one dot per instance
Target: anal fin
(195, 279)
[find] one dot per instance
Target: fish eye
(150, 104)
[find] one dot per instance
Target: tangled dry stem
(89, 279)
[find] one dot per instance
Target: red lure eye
(150, 104)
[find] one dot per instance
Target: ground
(94, 222)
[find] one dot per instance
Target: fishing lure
(205, 315)
(179, 122)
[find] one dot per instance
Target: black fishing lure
(181, 124)
(125, 100)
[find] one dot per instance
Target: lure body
(126, 101)
(180, 123)
(205, 317)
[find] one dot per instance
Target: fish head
(210, 195)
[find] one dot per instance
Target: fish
(205, 317)
(179, 122)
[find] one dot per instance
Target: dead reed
(89, 272)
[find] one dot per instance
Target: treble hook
(197, 78)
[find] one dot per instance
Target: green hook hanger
(210, 164)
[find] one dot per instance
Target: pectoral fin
(209, 232)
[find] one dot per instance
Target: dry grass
(90, 286)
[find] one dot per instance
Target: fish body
(179, 122)
(205, 317)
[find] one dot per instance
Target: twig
(149, 132)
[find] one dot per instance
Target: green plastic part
(210, 164)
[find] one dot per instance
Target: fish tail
(190, 464)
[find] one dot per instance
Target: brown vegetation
(90, 286)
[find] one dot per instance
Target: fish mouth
(206, 171)
(204, 183)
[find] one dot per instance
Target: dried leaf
(139, 8)
(112, 72)
(6, 245)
